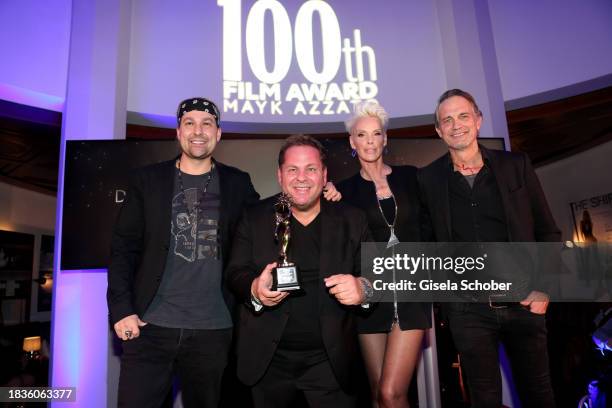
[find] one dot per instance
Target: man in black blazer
(477, 195)
(165, 279)
(300, 342)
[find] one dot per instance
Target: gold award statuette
(285, 275)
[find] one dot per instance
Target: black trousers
(477, 330)
(149, 362)
(296, 374)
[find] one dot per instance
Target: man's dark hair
(455, 92)
(301, 140)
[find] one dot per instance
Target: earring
(354, 153)
(386, 151)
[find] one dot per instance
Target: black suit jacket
(528, 218)
(403, 184)
(343, 228)
(141, 236)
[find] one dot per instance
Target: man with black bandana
(473, 194)
(166, 293)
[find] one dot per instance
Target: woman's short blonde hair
(367, 108)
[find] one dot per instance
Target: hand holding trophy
(285, 275)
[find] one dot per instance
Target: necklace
(195, 210)
(392, 238)
(472, 170)
(462, 168)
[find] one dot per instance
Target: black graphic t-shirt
(189, 295)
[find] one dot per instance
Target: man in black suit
(477, 195)
(165, 280)
(300, 342)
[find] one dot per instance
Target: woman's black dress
(361, 193)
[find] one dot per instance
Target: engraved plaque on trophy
(285, 276)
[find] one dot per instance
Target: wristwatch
(256, 303)
(368, 290)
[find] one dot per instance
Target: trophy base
(285, 278)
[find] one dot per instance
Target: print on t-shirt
(195, 236)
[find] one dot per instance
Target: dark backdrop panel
(96, 176)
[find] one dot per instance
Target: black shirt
(477, 213)
(303, 331)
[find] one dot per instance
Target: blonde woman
(391, 334)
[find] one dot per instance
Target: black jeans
(149, 362)
(477, 330)
(293, 374)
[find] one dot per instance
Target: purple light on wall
(94, 330)
(80, 337)
(94, 109)
(543, 47)
(150, 119)
(79, 328)
(31, 98)
(79, 332)
(64, 342)
(34, 42)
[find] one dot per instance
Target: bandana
(197, 103)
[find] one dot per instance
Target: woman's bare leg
(373, 351)
(402, 353)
